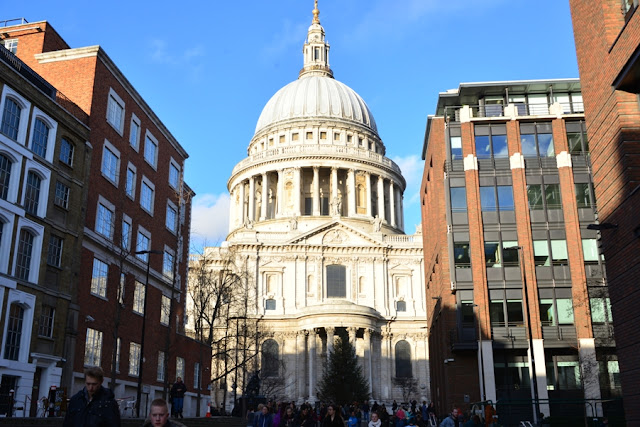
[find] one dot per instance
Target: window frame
(56, 250)
(133, 124)
(148, 137)
(139, 296)
(145, 233)
(174, 165)
(46, 324)
(36, 250)
(51, 136)
(99, 283)
(61, 195)
(45, 179)
(109, 149)
(93, 354)
(114, 99)
(110, 207)
(67, 150)
(131, 191)
(134, 359)
(151, 186)
(171, 207)
(23, 123)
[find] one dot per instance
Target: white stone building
(316, 214)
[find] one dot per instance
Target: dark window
(336, 281)
(462, 256)
(32, 193)
(577, 138)
(324, 206)
(66, 152)
(54, 257)
(552, 196)
(583, 195)
(10, 119)
(492, 254)
(40, 138)
(23, 257)
(5, 176)
(403, 360)
(401, 306)
(308, 205)
(270, 304)
(62, 195)
(544, 195)
(458, 199)
(47, 315)
(270, 362)
(14, 332)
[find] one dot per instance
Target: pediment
(336, 234)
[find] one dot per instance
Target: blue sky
(207, 68)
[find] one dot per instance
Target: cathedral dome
(316, 96)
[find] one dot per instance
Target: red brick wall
(604, 44)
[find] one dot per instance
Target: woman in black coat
(333, 418)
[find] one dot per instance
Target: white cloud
(209, 219)
(188, 60)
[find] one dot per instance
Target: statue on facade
(336, 205)
(377, 224)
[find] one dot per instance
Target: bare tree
(408, 386)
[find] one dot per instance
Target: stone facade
(316, 220)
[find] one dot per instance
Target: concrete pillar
(589, 370)
(301, 353)
(351, 192)
(265, 194)
(392, 204)
(367, 359)
(297, 189)
(381, 209)
(280, 195)
(312, 365)
(367, 179)
(330, 339)
(243, 209)
(541, 374)
(252, 199)
(489, 373)
(352, 336)
(316, 191)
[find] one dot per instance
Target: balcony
(301, 150)
(467, 113)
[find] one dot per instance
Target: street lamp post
(144, 324)
(534, 377)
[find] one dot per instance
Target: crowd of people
(357, 414)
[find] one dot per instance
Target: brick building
(607, 38)
(506, 239)
(137, 203)
(44, 166)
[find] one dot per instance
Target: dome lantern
(316, 50)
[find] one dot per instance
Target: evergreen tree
(342, 379)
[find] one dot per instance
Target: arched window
(11, 119)
(32, 193)
(310, 283)
(14, 332)
(5, 176)
(23, 257)
(403, 360)
(270, 304)
(40, 138)
(361, 285)
(270, 366)
(401, 306)
(336, 281)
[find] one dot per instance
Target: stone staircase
(127, 422)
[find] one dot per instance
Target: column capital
(330, 330)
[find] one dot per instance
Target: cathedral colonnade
(316, 191)
(388, 359)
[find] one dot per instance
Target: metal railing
(452, 113)
(19, 21)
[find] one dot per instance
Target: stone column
(392, 204)
(301, 353)
(333, 193)
(385, 361)
(252, 199)
(312, 365)
(352, 336)
(367, 359)
(401, 218)
(265, 194)
(381, 209)
(541, 374)
(589, 365)
(351, 192)
(316, 191)
(297, 187)
(280, 195)
(233, 219)
(367, 178)
(330, 339)
(242, 206)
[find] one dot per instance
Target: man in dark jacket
(94, 405)
(177, 392)
(159, 415)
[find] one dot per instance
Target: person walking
(94, 405)
(177, 391)
(159, 415)
(264, 419)
(452, 420)
(333, 417)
